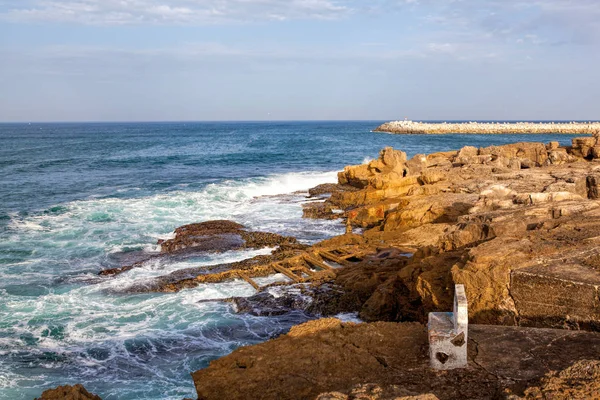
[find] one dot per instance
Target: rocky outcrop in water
(77, 392)
(220, 236)
(320, 300)
(211, 236)
(192, 277)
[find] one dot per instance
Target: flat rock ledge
(328, 359)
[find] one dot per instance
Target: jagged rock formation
(410, 127)
(517, 224)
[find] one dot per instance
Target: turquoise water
(79, 198)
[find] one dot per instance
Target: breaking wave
(55, 324)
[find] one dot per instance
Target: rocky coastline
(518, 225)
(567, 128)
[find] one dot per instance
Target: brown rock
(318, 210)
(77, 392)
(593, 186)
(468, 151)
(535, 153)
(416, 164)
(326, 188)
(430, 177)
(559, 295)
(559, 157)
(580, 381)
(390, 165)
(484, 222)
(376, 392)
(552, 146)
(336, 360)
(219, 236)
(582, 147)
(370, 215)
(416, 211)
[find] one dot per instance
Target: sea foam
(115, 342)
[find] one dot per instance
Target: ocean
(79, 198)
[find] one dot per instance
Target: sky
(193, 60)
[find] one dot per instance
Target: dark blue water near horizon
(66, 161)
(76, 198)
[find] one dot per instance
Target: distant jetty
(489, 128)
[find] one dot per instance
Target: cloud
(79, 60)
(444, 48)
(550, 21)
(536, 22)
(125, 12)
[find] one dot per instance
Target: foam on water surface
(78, 328)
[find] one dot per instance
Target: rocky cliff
(516, 224)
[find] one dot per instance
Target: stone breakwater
(568, 128)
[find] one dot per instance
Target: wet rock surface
(321, 300)
(209, 237)
(220, 236)
(192, 277)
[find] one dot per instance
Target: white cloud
(552, 21)
(535, 22)
(444, 48)
(121, 12)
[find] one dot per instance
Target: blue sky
(138, 60)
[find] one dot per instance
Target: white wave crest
(91, 331)
(115, 224)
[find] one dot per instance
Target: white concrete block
(448, 334)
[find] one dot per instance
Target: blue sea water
(78, 198)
